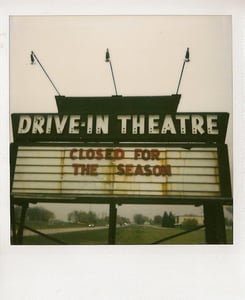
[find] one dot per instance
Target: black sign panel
(118, 104)
(121, 127)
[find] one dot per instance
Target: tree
(92, 217)
(168, 220)
(157, 220)
(39, 214)
(73, 216)
(82, 217)
(122, 220)
(140, 219)
(171, 219)
(189, 224)
(165, 222)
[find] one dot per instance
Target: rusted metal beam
(45, 236)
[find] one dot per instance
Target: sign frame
(223, 163)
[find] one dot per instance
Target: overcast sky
(147, 54)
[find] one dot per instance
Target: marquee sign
(132, 149)
(79, 171)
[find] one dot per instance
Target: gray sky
(147, 53)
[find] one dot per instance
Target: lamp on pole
(107, 59)
(187, 59)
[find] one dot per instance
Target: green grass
(88, 237)
(132, 235)
(129, 235)
(45, 225)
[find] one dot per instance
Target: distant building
(180, 219)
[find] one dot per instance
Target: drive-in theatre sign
(123, 149)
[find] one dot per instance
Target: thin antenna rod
(109, 60)
(187, 59)
(113, 78)
(33, 58)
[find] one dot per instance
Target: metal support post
(215, 223)
(112, 224)
(13, 223)
(22, 224)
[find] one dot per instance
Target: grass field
(128, 235)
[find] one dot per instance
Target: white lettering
(138, 122)
(24, 124)
(49, 124)
(183, 119)
(153, 124)
(102, 124)
(74, 123)
(168, 125)
(38, 122)
(197, 123)
(60, 124)
(124, 119)
(90, 124)
(212, 124)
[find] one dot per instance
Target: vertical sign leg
(22, 224)
(112, 224)
(13, 222)
(214, 223)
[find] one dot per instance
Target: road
(61, 230)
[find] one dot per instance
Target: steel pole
(113, 78)
(183, 66)
(112, 224)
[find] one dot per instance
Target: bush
(189, 224)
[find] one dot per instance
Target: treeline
(166, 220)
(35, 214)
(42, 215)
(169, 220)
(91, 218)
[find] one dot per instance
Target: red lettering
(137, 153)
(128, 170)
(82, 169)
(72, 156)
(146, 170)
(157, 170)
(90, 154)
(146, 154)
(120, 169)
(155, 153)
(99, 154)
(81, 154)
(93, 170)
(118, 153)
(138, 170)
(108, 153)
(75, 167)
